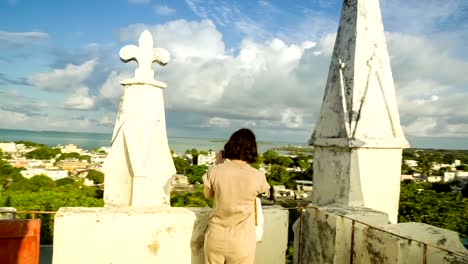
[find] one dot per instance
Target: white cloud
(197, 8)
(43, 104)
(274, 79)
(164, 10)
(63, 79)
(80, 99)
(19, 120)
(254, 84)
(291, 118)
(21, 38)
(228, 15)
(105, 120)
(280, 85)
(111, 89)
(138, 2)
(84, 123)
(184, 39)
(399, 15)
(431, 85)
(9, 117)
(217, 122)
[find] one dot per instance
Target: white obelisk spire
(358, 138)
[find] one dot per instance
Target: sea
(90, 141)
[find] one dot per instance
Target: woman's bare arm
(208, 192)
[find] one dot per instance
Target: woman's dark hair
(241, 146)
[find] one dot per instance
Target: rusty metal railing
(424, 244)
(33, 213)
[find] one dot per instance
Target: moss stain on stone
(154, 247)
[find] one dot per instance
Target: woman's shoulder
(232, 166)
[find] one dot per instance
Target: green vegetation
(194, 153)
(431, 156)
(73, 155)
(195, 199)
(36, 183)
(96, 176)
(278, 174)
(30, 144)
(181, 165)
(64, 181)
(43, 153)
(41, 193)
(434, 204)
(195, 173)
(295, 150)
(8, 174)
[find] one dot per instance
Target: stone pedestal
(361, 177)
(150, 235)
(408, 243)
(325, 234)
(342, 235)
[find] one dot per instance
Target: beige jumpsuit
(230, 236)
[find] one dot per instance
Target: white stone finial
(139, 165)
(145, 55)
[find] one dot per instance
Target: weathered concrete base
(348, 177)
(150, 235)
(408, 243)
(324, 234)
(337, 234)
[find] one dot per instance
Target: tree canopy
(96, 176)
(195, 173)
(73, 155)
(181, 165)
(43, 153)
(434, 205)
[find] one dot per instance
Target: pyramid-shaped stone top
(359, 108)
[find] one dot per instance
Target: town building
(8, 147)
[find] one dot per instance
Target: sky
(260, 64)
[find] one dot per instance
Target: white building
(8, 147)
(35, 163)
(179, 179)
(105, 149)
(208, 159)
(434, 178)
(53, 174)
(98, 159)
(31, 172)
(295, 169)
(57, 174)
(88, 182)
(70, 148)
(449, 176)
(303, 185)
(406, 177)
(411, 163)
(461, 174)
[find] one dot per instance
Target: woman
(234, 184)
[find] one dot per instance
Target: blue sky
(258, 63)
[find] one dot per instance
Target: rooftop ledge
(151, 235)
(379, 143)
